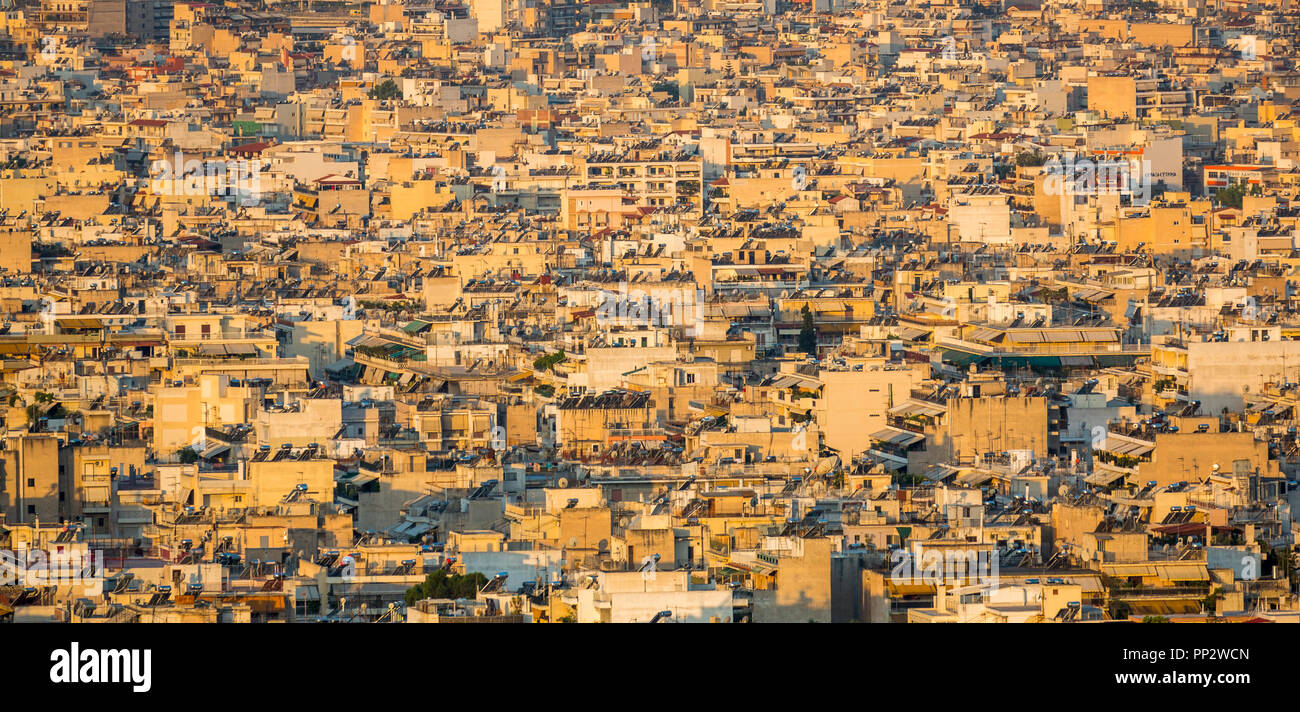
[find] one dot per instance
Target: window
(31, 481)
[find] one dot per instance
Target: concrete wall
(854, 405)
(975, 426)
(1219, 371)
(803, 587)
(29, 470)
(1188, 457)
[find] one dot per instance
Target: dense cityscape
(546, 311)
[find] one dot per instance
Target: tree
(386, 90)
(808, 334)
(1118, 610)
(1210, 603)
(1027, 158)
(1232, 195)
(439, 585)
(1154, 619)
(549, 361)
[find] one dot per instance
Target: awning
(363, 479)
(897, 436)
(974, 479)
(917, 407)
(227, 350)
(1093, 295)
(940, 473)
(215, 450)
(1189, 528)
(985, 334)
(1103, 479)
(418, 529)
(962, 359)
(1162, 607)
(911, 589)
(79, 323)
(1125, 447)
(367, 341)
(265, 604)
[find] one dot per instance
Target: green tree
(548, 362)
(1118, 610)
(1211, 602)
(1027, 158)
(808, 334)
(1154, 619)
(386, 90)
(1232, 195)
(439, 585)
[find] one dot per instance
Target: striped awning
(897, 436)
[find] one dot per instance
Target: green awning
(1117, 360)
(962, 359)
